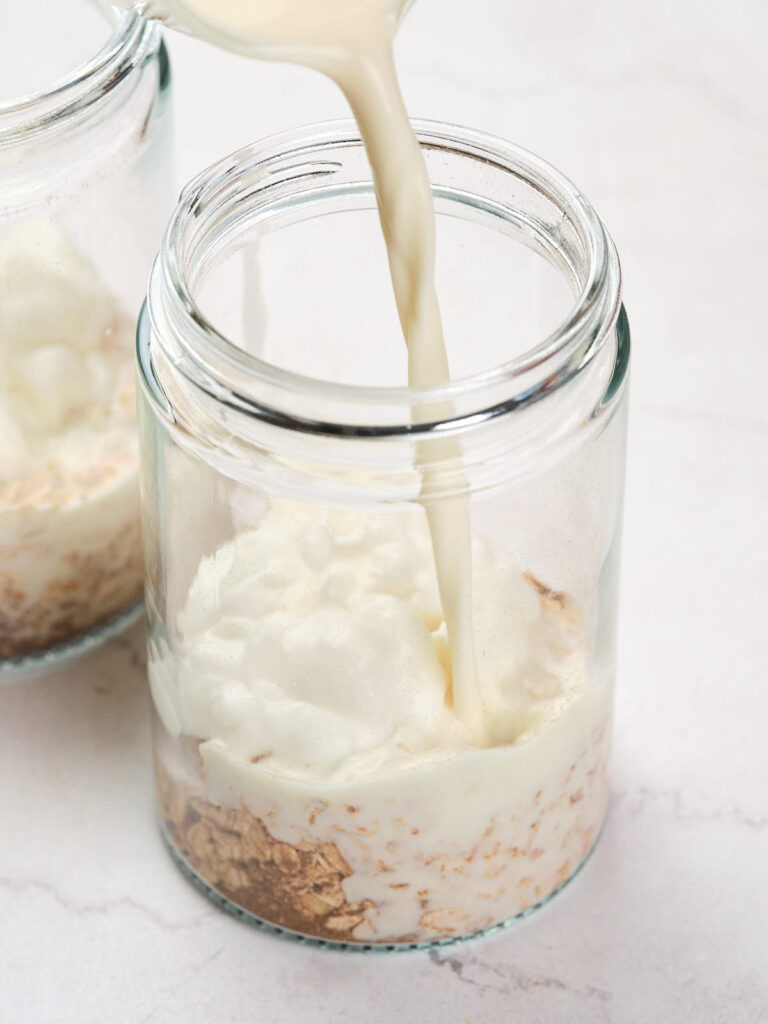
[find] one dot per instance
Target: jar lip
(224, 371)
(50, 108)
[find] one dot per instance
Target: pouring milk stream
(351, 41)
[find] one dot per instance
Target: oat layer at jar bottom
(70, 539)
(418, 857)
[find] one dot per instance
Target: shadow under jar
(312, 771)
(86, 186)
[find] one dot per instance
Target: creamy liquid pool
(351, 41)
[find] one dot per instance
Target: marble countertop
(658, 111)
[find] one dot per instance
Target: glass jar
(313, 770)
(86, 186)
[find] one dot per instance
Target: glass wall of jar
(326, 761)
(85, 191)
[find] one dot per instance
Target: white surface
(658, 111)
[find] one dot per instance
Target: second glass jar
(86, 184)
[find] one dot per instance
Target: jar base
(353, 947)
(37, 661)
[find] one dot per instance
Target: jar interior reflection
(326, 278)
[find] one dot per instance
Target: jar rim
(53, 107)
(244, 382)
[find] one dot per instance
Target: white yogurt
(70, 551)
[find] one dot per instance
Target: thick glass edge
(208, 347)
(621, 363)
(150, 385)
(23, 666)
(153, 389)
(48, 110)
(167, 288)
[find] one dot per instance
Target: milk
(351, 41)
